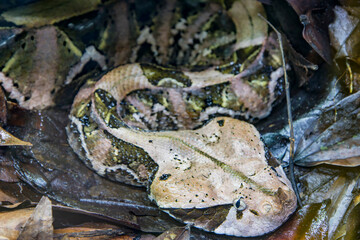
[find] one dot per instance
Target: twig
(351, 77)
(288, 106)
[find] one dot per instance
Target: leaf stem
(288, 106)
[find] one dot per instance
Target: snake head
(258, 216)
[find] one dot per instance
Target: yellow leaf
(6, 139)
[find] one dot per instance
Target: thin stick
(288, 106)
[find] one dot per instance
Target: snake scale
(176, 132)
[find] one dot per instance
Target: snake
(178, 134)
(182, 131)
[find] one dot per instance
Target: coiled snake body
(216, 176)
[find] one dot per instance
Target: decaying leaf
(88, 233)
(350, 225)
(40, 63)
(334, 137)
(303, 68)
(39, 225)
(176, 233)
(40, 13)
(11, 222)
(345, 34)
(338, 186)
(315, 15)
(341, 196)
(330, 198)
(7, 171)
(13, 217)
(18, 205)
(6, 139)
(310, 222)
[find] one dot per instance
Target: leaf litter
(327, 135)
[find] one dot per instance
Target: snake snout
(286, 200)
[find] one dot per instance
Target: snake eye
(239, 204)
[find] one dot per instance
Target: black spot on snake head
(221, 122)
(164, 177)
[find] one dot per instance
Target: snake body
(143, 125)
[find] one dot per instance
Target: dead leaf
(86, 233)
(40, 13)
(39, 225)
(303, 68)
(176, 233)
(315, 15)
(40, 62)
(4, 197)
(341, 196)
(6, 139)
(310, 223)
(334, 137)
(7, 174)
(345, 34)
(19, 205)
(351, 224)
(7, 170)
(11, 222)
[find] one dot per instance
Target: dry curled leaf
(39, 225)
(315, 15)
(176, 233)
(6, 139)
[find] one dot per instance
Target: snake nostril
(266, 208)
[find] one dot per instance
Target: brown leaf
(6, 139)
(11, 222)
(19, 205)
(317, 38)
(39, 225)
(341, 197)
(303, 68)
(352, 222)
(4, 197)
(7, 170)
(88, 233)
(176, 233)
(310, 223)
(315, 15)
